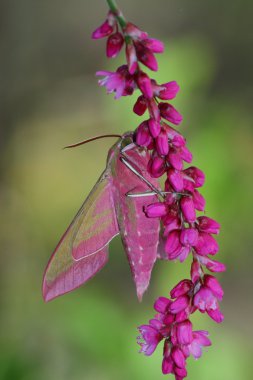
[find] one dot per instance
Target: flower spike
(184, 232)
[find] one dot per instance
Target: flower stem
(117, 12)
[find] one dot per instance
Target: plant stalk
(117, 12)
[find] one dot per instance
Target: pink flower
(174, 159)
(119, 82)
(167, 91)
(169, 113)
(189, 236)
(212, 265)
(181, 303)
(151, 337)
(206, 301)
(134, 32)
(144, 84)
(106, 28)
(213, 284)
(197, 175)
(154, 45)
(146, 56)
(188, 209)
(156, 210)
(206, 245)
(162, 144)
(156, 166)
(208, 225)
(114, 45)
(161, 304)
(155, 129)
(199, 340)
(198, 200)
(172, 244)
(131, 57)
(143, 137)
(196, 271)
(140, 106)
(175, 137)
(182, 288)
(175, 178)
(184, 332)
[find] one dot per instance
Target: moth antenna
(152, 193)
(89, 140)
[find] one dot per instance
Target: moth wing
(161, 254)
(140, 235)
(83, 249)
(140, 239)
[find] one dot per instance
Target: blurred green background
(50, 98)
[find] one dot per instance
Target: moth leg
(129, 165)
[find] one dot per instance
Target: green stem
(117, 12)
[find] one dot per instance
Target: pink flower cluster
(172, 322)
(184, 232)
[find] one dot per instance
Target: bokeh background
(50, 98)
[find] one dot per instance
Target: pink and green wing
(140, 235)
(83, 249)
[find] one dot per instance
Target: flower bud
(198, 200)
(103, 30)
(140, 106)
(176, 180)
(186, 155)
(183, 287)
(143, 137)
(178, 357)
(188, 209)
(167, 366)
(156, 210)
(206, 245)
(155, 128)
(179, 304)
(154, 45)
(196, 174)
(172, 244)
(132, 61)
(145, 85)
(162, 144)
(114, 45)
(184, 332)
(189, 236)
(156, 166)
(216, 315)
(146, 56)
(174, 159)
(195, 271)
(169, 113)
(208, 225)
(212, 265)
(168, 90)
(180, 373)
(213, 284)
(134, 32)
(161, 304)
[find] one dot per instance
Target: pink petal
(140, 106)
(156, 210)
(162, 144)
(208, 225)
(182, 288)
(188, 209)
(206, 245)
